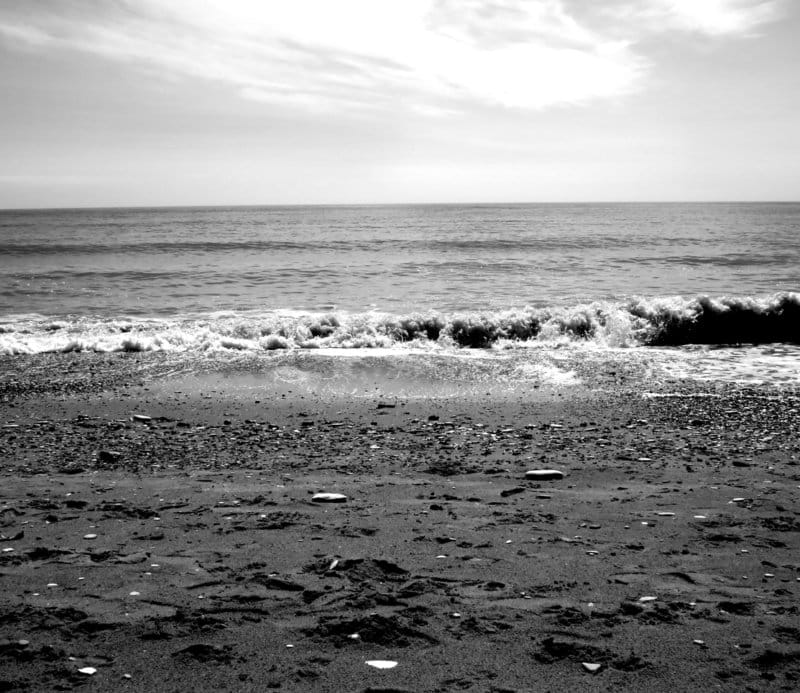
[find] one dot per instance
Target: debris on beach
(544, 474)
(109, 456)
(328, 498)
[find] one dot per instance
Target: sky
(225, 102)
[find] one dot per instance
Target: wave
(638, 322)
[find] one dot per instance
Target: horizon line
(298, 205)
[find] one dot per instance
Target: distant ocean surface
(425, 277)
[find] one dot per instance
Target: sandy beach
(159, 539)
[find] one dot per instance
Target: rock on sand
(328, 498)
(543, 474)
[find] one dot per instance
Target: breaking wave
(639, 322)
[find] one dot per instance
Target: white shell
(328, 498)
(381, 663)
(543, 474)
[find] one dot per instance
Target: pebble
(381, 663)
(544, 474)
(700, 517)
(738, 500)
(591, 667)
(90, 536)
(647, 599)
(142, 418)
(665, 514)
(328, 498)
(89, 671)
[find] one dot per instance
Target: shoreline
(209, 557)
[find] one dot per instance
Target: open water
(706, 289)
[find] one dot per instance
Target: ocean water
(691, 290)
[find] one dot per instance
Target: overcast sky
(165, 102)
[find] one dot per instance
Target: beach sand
(184, 551)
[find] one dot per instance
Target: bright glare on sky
(190, 102)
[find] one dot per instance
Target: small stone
(591, 667)
(647, 599)
(699, 642)
(738, 500)
(134, 594)
(109, 456)
(90, 536)
(52, 584)
(89, 671)
(544, 474)
(381, 663)
(665, 514)
(23, 643)
(328, 498)
(127, 676)
(700, 517)
(142, 418)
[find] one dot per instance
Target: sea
(520, 295)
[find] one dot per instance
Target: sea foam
(638, 322)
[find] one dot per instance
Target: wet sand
(184, 552)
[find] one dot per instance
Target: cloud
(720, 17)
(715, 18)
(430, 56)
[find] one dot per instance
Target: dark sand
(211, 569)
